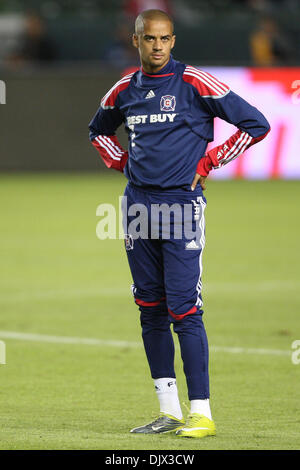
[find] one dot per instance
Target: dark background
(59, 57)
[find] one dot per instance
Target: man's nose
(157, 45)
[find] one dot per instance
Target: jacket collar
(166, 71)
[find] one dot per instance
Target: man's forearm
(226, 152)
(111, 151)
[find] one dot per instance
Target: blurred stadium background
(57, 59)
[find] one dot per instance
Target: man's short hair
(151, 15)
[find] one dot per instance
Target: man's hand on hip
(198, 179)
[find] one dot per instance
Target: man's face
(154, 44)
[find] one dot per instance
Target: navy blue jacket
(169, 119)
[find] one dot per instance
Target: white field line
(14, 335)
(67, 340)
(250, 287)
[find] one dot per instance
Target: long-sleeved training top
(169, 120)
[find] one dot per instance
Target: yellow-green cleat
(163, 424)
(197, 426)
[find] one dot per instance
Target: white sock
(167, 393)
(201, 407)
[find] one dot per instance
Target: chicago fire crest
(167, 103)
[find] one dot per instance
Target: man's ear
(135, 41)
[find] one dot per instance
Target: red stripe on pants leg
(181, 316)
(142, 303)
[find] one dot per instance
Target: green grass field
(59, 281)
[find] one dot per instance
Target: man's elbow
(265, 127)
(264, 131)
(92, 134)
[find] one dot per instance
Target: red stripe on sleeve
(109, 100)
(206, 84)
(226, 152)
(111, 151)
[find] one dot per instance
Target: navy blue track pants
(164, 241)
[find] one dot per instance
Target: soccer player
(168, 110)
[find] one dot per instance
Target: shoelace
(192, 420)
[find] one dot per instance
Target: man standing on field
(168, 110)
